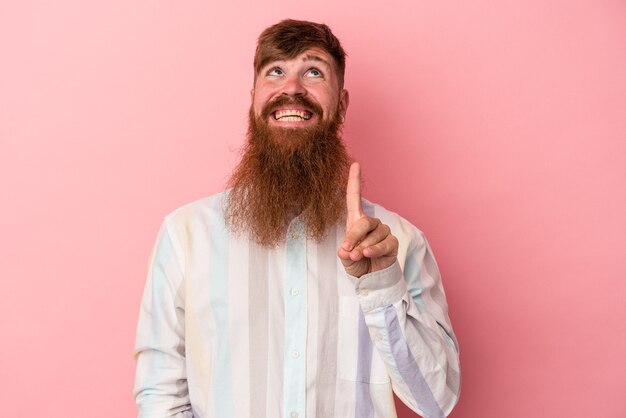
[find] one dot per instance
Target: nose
(293, 87)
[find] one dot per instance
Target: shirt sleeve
(407, 317)
(161, 380)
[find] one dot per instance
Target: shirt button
(294, 415)
(295, 354)
(295, 291)
(364, 292)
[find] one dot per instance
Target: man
(288, 295)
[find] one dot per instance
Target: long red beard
(287, 172)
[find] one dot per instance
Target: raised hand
(368, 245)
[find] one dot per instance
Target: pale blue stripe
(221, 373)
(408, 368)
(295, 323)
(413, 276)
(412, 273)
(364, 407)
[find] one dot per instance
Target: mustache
(283, 100)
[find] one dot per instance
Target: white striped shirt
(231, 329)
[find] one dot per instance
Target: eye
(275, 71)
(314, 73)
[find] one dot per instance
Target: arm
(410, 328)
(161, 380)
(405, 311)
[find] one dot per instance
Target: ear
(344, 101)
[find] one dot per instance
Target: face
(299, 92)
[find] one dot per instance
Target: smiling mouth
(292, 115)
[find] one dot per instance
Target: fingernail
(346, 245)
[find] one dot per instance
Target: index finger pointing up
(353, 194)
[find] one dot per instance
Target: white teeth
(292, 115)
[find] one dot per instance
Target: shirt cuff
(380, 288)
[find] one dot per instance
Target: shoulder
(209, 206)
(409, 236)
(197, 216)
(395, 221)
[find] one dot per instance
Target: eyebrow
(311, 57)
(307, 57)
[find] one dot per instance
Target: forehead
(317, 55)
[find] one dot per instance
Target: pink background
(498, 128)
